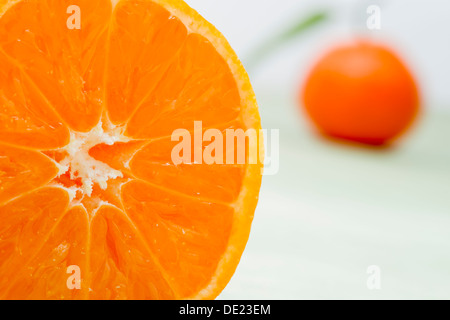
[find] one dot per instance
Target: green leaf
(284, 37)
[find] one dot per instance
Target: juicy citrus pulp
(86, 177)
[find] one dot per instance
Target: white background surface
(334, 210)
(419, 29)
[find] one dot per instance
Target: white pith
(82, 165)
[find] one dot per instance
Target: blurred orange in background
(332, 211)
(361, 91)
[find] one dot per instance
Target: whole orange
(361, 91)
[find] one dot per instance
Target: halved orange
(86, 176)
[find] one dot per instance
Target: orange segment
(26, 119)
(188, 246)
(121, 264)
(197, 79)
(118, 155)
(22, 171)
(86, 171)
(218, 182)
(66, 246)
(139, 54)
(66, 64)
(25, 225)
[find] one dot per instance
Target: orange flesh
(86, 176)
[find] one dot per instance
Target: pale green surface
(333, 210)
